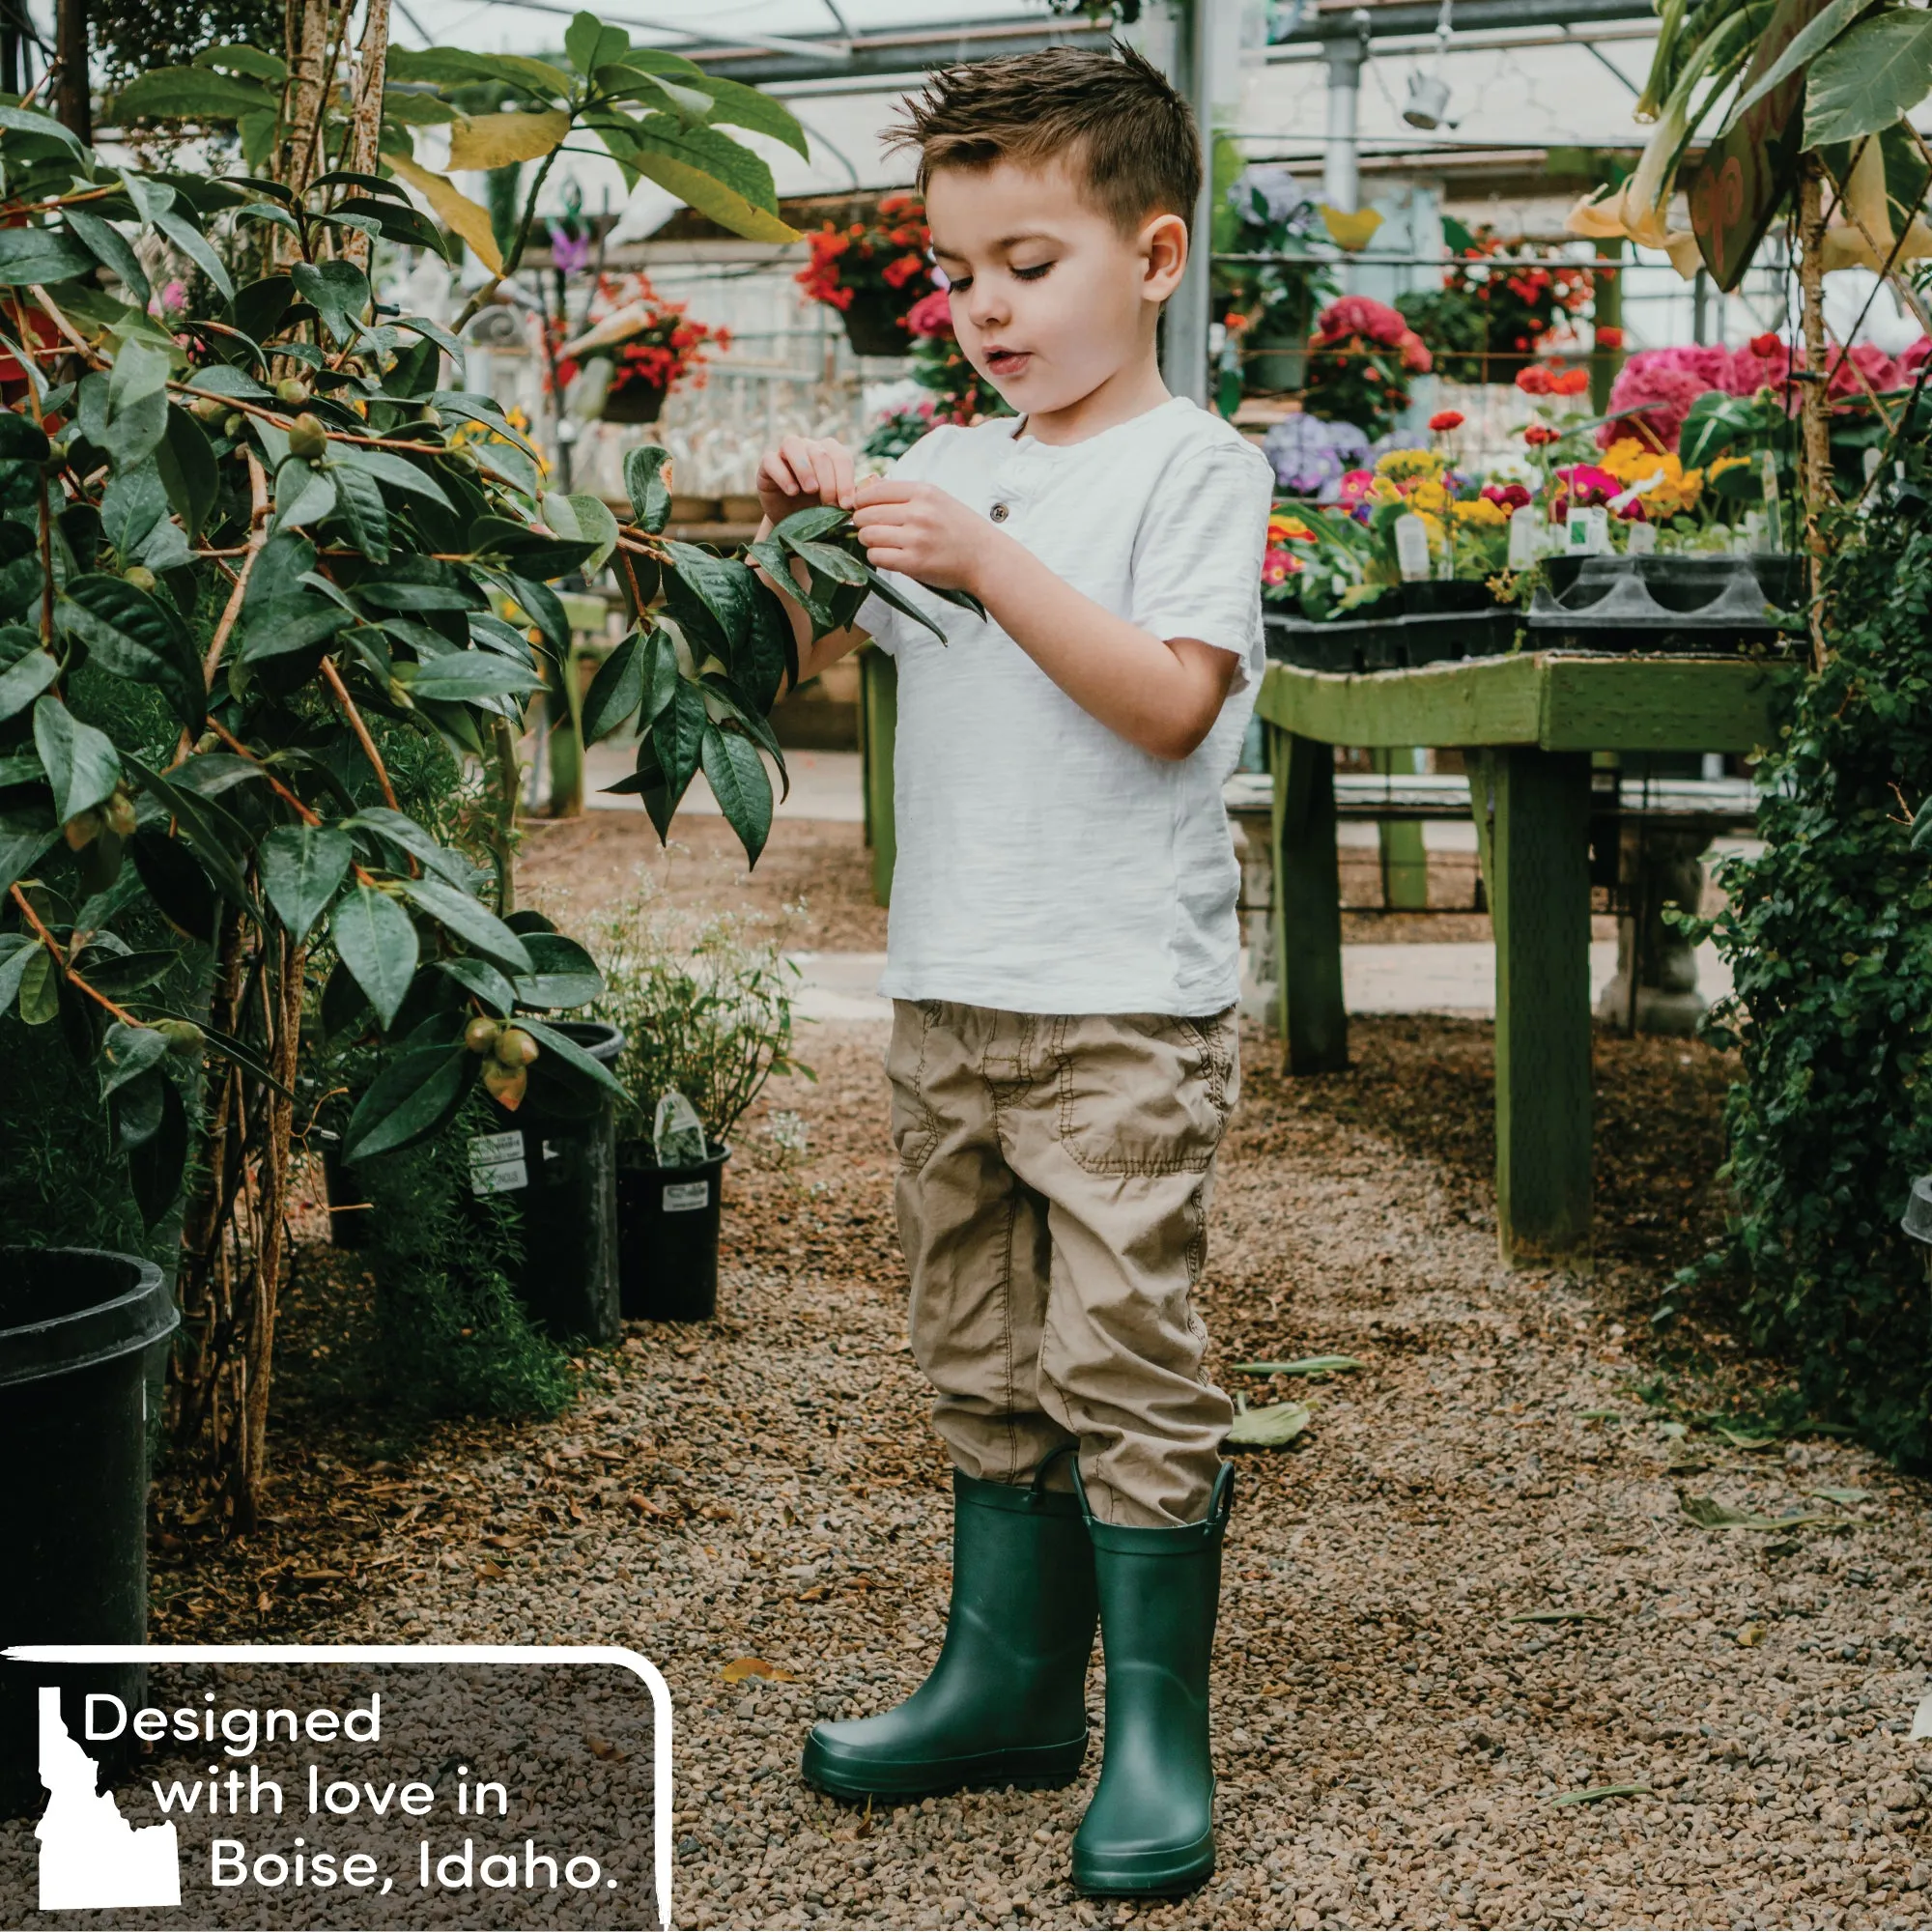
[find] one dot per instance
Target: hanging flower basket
(636, 402)
(875, 323)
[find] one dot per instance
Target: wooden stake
(1814, 408)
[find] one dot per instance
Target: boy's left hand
(923, 533)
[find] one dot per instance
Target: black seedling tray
(1700, 606)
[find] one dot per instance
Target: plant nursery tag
(1524, 539)
(1412, 547)
(682, 1196)
(497, 1164)
(1642, 539)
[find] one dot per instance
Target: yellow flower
(1284, 528)
(1631, 461)
(1382, 491)
(1480, 510)
(1404, 464)
(1428, 495)
(1433, 525)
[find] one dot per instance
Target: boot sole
(1140, 1876)
(1033, 1768)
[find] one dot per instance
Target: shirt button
(998, 513)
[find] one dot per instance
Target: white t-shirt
(1044, 863)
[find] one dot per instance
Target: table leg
(1540, 886)
(1308, 906)
(879, 712)
(1404, 857)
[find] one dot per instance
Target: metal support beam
(1340, 176)
(1184, 356)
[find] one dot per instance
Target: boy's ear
(1163, 248)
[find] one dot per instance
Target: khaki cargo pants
(1053, 1182)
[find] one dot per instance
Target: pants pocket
(1143, 1093)
(915, 1124)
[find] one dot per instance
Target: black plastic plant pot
(557, 1156)
(1436, 597)
(1712, 605)
(874, 323)
(1394, 643)
(667, 1221)
(79, 1331)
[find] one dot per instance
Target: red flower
(1609, 338)
(1446, 419)
(1570, 382)
(931, 315)
(1510, 497)
(1767, 344)
(1533, 381)
(1538, 433)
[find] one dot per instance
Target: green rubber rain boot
(1151, 1826)
(1005, 1703)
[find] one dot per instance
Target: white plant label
(1524, 544)
(497, 1164)
(1412, 547)
(1642, 539)
(681, 1197)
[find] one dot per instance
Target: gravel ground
(1392, 1748)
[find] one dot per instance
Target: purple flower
(1310, 455)
(571, 254)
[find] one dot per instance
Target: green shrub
(1829, 939)
(453, 1337)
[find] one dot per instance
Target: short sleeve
(885, 626)
(1198, 556)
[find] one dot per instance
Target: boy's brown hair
(1114, 117)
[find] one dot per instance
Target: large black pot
(78, 1328)
(667, 1221)
(556, 1155)
(875, 323)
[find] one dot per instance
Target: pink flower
(1360, 315)
(1278, 566)
(931, 315)
(1867, 358)
(1510, 497)
(1655, 389)
(1584, 484)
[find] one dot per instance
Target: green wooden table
(1527, 725)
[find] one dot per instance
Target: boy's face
(1049, 297)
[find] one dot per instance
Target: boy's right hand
(804, 470)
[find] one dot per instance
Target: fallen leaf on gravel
(1751, 1637)
(1676, 1430)
(1695, 1466)
(1847, 1497)
(1597, 1791)
(1559, 1617)
(1271, 1426)
(321, 1576)
(1707, 1512)
(604, 1748)
(502, 1542)
(1601, 1414)
(742, 1667)
(1756, 1445)
(491, 1570)
(1308, 1365)
(815, 1594)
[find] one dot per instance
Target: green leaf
(110, 248)
(565, 975)
(590, 44)
(216, 837)
(187, 239)
(646, 485)
(189, 475)
(770, 652)
(888, 594)
(805, 526)
(1270, 1427)
(128, 1051)
(338, 292)
(708, 170)
(734, 103)
(739, 783)
(23, 681)
(302, 869)
(133, 503)
(16, 954)
(81, 762)
(175, 881)
(279, 629)
(472, 921)
(575, 1057)
(40, 989)
(377, 941)
(25, 121)
(1597, 1791)
(463, 676)
(155, 1168)
(1816, 34)
(243, 59)
(360, 510)
(482, 980)
(191, 93)
(1307, 1365)
(615, 691)
(1707, 1512)
(43, 255)
(583, 518)
(1869, 78)
(397, 472)
(830, 560)
(25, 835)
(302, 495)
(710, 597)
(417, 1094)
(402, 831)
(135, 636)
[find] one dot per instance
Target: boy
(1062, 950)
